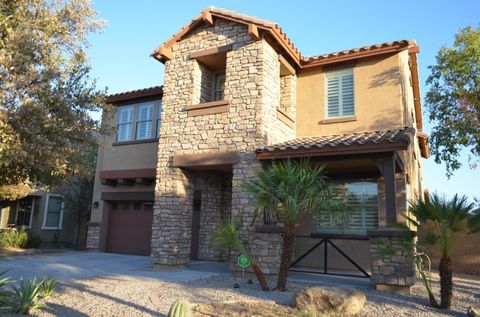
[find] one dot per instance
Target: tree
(286, 191)
(46, 94)
(228, 235)
(453, 100)
(447, 219)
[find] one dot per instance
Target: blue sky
(120, 55)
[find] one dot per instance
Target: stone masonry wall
(397, 270)
(93, 236)
(288, 98)
(243, 128)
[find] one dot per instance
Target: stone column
(393, 262)
(93, 236)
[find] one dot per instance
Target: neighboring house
(236, 95)
(43, 214)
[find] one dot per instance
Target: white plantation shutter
(159, 118)
(124, 123)
(339, 92)
(144, 120)
(362, 197)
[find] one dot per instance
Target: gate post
(392, 257)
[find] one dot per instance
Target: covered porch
(368, 171)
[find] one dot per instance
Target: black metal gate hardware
(325, 241)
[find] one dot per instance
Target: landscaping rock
(329, 301)
(473, 311)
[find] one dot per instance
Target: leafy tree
(229, 236)
(447, 219)
(286, 191)
(453, 100)
(46, 94)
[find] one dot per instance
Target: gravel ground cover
(133, 296)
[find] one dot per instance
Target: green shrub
(47, 286)
(25, 297)
(4, 293)
(14, 238)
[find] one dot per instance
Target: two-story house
(237, 94)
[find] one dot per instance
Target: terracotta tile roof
(369, 48)
(402, 136)
(135, 94)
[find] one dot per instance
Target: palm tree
(228, 236)
(287, 190)
(449, 219)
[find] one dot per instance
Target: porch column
(390, 188)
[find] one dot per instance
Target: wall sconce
(95, 204)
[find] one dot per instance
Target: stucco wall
(377, 95)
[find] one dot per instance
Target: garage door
(130, 227)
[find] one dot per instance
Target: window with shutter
(144, 120)
(218, 86)
(362, 197)
(339, 93)
(124, 123)
(159, 118)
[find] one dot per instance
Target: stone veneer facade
(93, 236)
(392, 271)
(253, 90)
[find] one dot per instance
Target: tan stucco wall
(377, 95)
(119, 157)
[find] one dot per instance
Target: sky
(120, 54)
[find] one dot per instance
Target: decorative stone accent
(93, 236)
(252, 87)
(393, 263)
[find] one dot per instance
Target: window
(218, 86)
(339, 93)
(138, 121)
(24, 212)
(125, 123)
(144, 120)
(159, 118)
(362, 197)
(53, 216)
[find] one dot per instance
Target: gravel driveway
(134, 290)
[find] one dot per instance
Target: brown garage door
(130, 227)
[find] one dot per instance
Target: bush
(47, 287)
(14, 238)
(25, 297)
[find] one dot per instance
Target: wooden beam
(285, 67)
(164, 53)
(253, 31)
(390, 188)
(207, 18)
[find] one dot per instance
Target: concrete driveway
(80, 265)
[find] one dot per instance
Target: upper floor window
(159, 118)
(138, 122)
(339, 93)
(144, 120)
(362, 197)
(124, 123)
(218, 86)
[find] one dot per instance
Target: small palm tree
(229, 236)
(287, 190)
(449, 219)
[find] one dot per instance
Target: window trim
(31, 212)
(338, 72)
(45, 212)
(132, 123)
(137, 111)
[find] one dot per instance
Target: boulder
(329, 301)
(473, 311)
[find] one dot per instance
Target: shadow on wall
(389, 77)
